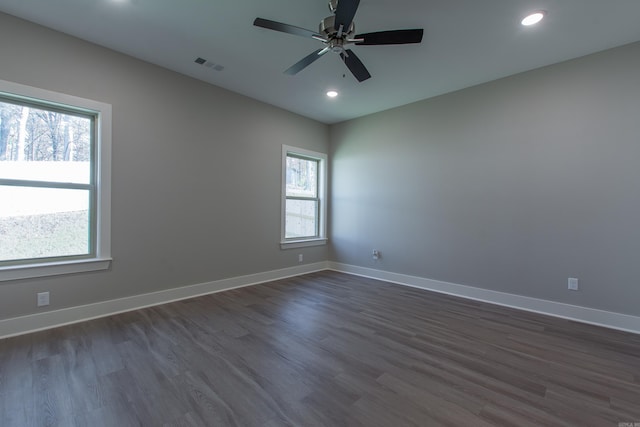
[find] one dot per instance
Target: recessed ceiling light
(332, 94)
(533, 18)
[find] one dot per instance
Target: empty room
(312, 213)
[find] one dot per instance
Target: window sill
(28, 271)
(292, 244)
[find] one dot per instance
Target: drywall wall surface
(196, 171)
(514, 185)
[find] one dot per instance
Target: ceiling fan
(336, 32)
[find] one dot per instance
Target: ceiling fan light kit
(336, 32)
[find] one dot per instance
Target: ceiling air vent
(208, 64)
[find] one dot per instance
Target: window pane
(301, 218)
(42, 145)
(43, 222)
(302, 177)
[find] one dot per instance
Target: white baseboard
(53, 319)
(622, 322)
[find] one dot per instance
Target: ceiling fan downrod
(332, 32)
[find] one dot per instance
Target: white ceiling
(466, 42)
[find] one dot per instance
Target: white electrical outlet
(375, 254)
(573, 284)
(300, 258)
(43, 299)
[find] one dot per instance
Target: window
(54, 183)
(303, 198)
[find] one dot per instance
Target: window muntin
(303, 206)
(55, 175)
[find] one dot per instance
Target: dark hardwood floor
(325, 349)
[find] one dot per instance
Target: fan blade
(305, 62)
(345, 12)
(391, 37)
(356, 66)
(286, 28)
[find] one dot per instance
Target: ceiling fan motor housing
(328, 29)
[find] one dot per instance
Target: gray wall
(196, 171)
(512, 186)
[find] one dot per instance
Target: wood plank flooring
(324, 349)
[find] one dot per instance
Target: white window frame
(102, 257)
(321, 239)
